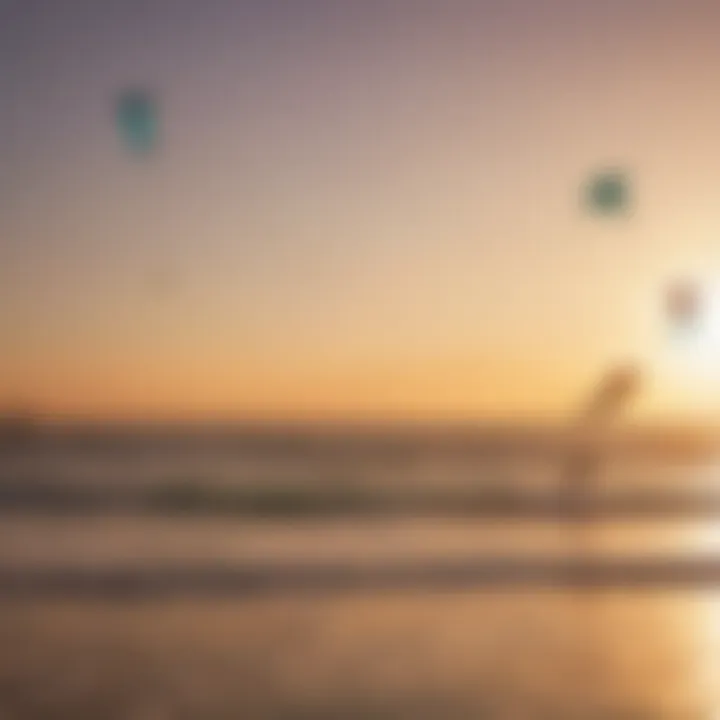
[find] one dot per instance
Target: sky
(356, 209)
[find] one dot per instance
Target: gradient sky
(357, 209)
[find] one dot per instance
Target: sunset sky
(357, 208)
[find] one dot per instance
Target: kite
(136, 115)
(608, 193)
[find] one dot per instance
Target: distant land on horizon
(482, 436)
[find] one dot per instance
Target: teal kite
(608, 193)
(137, 121)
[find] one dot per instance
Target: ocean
(427, 650)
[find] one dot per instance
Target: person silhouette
(608, 400)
